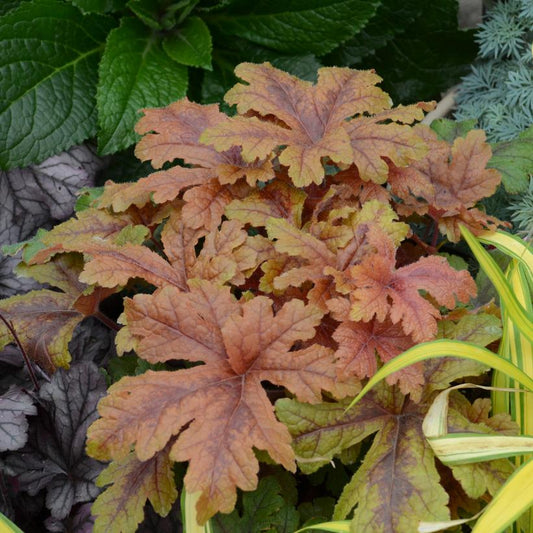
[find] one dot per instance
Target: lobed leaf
(15, 405)
(54, 457)
(121, 506)
(310, 117)
(243, 344)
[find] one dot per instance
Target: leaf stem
(11, 329)
(111, 324)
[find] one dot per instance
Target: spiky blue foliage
(498, 92)
(522, 213)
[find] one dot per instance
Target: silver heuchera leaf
(36, 197)
(80, 521)
(54, 457)
(15, 406)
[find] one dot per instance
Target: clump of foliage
(498, 90)
(274, 261)
(498, 95)
(78, 69)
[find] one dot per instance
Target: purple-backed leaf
(54, 457)
(79, 521)
(37, 195)
(92, 341)
(15, 405)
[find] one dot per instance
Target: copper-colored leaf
(310, 117)
(222, 403)
(381, 290)
(112, 266)
(448, 182)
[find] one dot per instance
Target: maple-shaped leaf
(172, 133)
(381, 290)
(34, 197)
(375, 138)
(309, 119)
(222, 403)
(312, 122)
(277, 199)
(44, 320)
(15, 406)
(121, 506)
(399, 451)
(328, 249)
(448, 182)
(54, 458)
(486, 476)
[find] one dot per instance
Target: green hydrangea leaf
(8, 5)
(295, 26)
(190, 44)
(99, 6)
(148, 11)
(49, 55)
(422, 55)
(514, 159)
(135, 73)
(232, 52)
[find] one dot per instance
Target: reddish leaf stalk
(11, 329)
(111, 324)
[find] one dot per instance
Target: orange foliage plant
(272, 247)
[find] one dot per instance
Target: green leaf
(515, 497)
(399, 451)
(229, 53)
(514, 159)
(295, 26)
(414, 46)
(522, 319)
(8, 5)
(448, 130)
(263, 510)
(149, 11)
(135, 73)
(99, 6)
(481, 329)
(190, 44)
(49, 55)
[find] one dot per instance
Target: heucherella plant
(513, 366)
(269, 266)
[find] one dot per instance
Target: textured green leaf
(263, 510)
(514, 159)
(414, 45)
(49, 56)
(135, 73)
(399, 452)
(190, 44)
(448, 130)
(480, 329)
(99, 6)
(8, 5)
(231, 52)
(295, 26)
